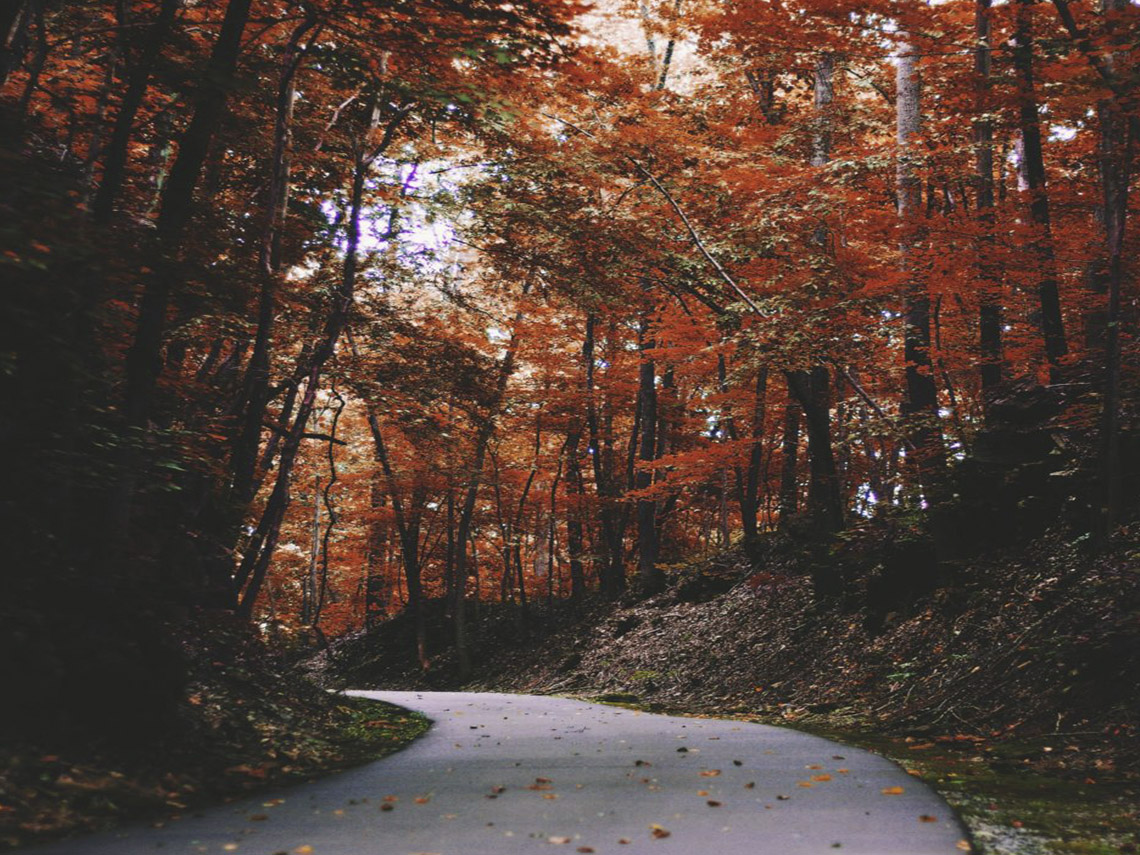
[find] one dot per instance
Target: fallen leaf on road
(892, 791)
(927, 818)
(713, 803)
(823, 777)
(658, 832)
(804, 784)
(710, 773)
(558, 840)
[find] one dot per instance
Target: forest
(326, 316)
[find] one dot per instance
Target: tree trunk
(574, 535)
(255, 389)
(255, 563)
(408, 528)
(115, 162)
(750, 499)
(813, 392)
(1116, 147)
(649, 575)
(790, 445)
(15, 17)
(1033, 173)
(611, 574)
(989, 309)
(376, 592)
(144, 359)
(921, 404)
(467, 511)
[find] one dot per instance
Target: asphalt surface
(505, 774)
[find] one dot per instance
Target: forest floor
(1012, 688)
(245, 724)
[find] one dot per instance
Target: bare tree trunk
(813, 392)
(309, 588)
(989, 310)
(255, 389)
(408, 529)
(467, 511)
(255, 563)
(15, 17)
(574, 536)
(748, 477)
(790, 445)
(612, 579)
(144, 360)
(376, 592)
(115, 162)
(1033, 172)
(921, 404)
(649, 575)
(1116, 149)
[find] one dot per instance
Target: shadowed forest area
(714, 356)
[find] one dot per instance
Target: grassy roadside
(44, 796)
(1008, 810)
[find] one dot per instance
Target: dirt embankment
(1015, 647)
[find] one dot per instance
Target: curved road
(505, 774)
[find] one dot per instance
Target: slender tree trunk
(309, 589)
(144, 359)
(574, 536)
(921, 405)
(1116, 150)
(812, 389)
(750, 498)
(255, 389)
(322, 592)
(790, 445)
(813, 392)
(612, 580)
(115, 162)
(649, 575)
(1033, 173)
(376, 592)
(989, 311)
(255, 563)
(467, 512)
(15, 17)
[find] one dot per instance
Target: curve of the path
(510, 774)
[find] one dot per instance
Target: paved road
(506, 774)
